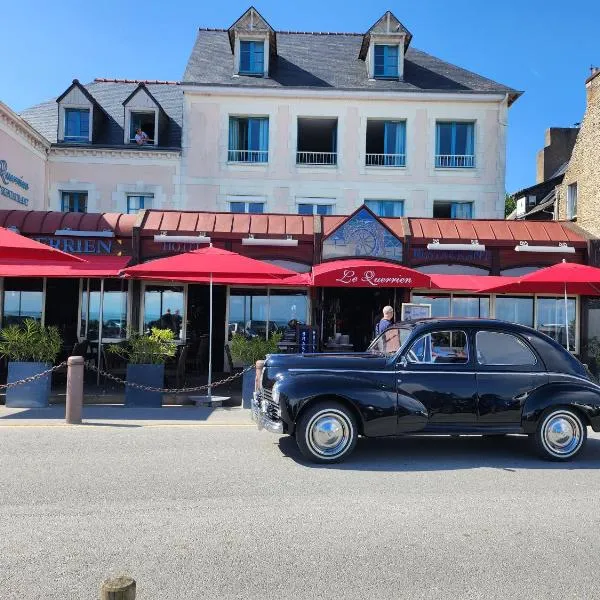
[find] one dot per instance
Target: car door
(437, 371)
(508, 370)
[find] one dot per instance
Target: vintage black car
(432, 376)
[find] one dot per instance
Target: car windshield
(390, 341)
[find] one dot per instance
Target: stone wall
(557, 151)
(584, 165)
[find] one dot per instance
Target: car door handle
(522, 396)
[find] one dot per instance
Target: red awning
(471, 283)
(14, 246)
(367, 273)
(200, 265)
(562, 278)
(91, 266)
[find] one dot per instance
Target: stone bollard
(74, 390)
(118, 588)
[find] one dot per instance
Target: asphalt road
(228, 512)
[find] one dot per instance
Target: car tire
(326, 432)
(560, 435)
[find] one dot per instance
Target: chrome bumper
(260, 417)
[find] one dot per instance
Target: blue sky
(543, 47)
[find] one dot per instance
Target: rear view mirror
(402, 362)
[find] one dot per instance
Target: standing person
(387, 321)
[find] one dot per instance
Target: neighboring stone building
(538, 201)
(579, 194)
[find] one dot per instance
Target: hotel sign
(82, 245)
(8, 178)
(370, 278)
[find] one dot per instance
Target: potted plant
(146, 356)
(248, 350)
(30, 349)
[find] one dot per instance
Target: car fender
(584, 397)
(372, 397)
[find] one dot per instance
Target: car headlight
(275, 393)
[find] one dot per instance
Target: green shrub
(249, 350)
(30, 342)
(153, 349)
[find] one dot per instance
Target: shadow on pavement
(443, 453)
(111, 413)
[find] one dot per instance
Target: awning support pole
(566, 317)
(100, 329)
(210, 336)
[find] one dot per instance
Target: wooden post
(118, 588)
(74, 389)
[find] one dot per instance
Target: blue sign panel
(362, 235)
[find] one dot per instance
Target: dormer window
(383, 48)
(146, 122)
(80, 117)
(77, 125)
(252, 57)
(252, 42)
(142, 124)
(386, 61)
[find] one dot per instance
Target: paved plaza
(225, 511)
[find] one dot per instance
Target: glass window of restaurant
(164, 307)
(546, 314)
(262, 312)
(115, 304)
(23, 299)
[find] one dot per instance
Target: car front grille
(269, 406)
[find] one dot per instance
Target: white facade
(210, 181)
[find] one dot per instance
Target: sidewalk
(109, 415)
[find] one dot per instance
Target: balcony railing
(386, 160)
(455, 161)
(248, 156)
(316, 158)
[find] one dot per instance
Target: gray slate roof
(328, 60)
(110, 96)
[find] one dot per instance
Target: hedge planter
(248, 379)
(152, 375)
(35, 394)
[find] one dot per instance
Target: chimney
(592, 83)
(557, 151)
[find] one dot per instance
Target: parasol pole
(100, 332)
(210, 335)
(566, 317)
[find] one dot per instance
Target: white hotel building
(275, 122)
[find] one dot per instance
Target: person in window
(177, 322)
(141, 137)
(166, 321)
(387, 321)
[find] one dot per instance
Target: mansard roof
(109, 95)
(329, 61)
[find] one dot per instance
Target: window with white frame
(386, 208)
(74, 202)
(572, 201)
(386, 61)
(315, 206)
(248, 139)
(454, 145)
(252, 57)
(77, 125)
(136, 202)
(142, 127)
(251, 205)
(452, 210)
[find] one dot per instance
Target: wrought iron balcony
(316, 158)
(455, 161)
(386, 160)
(248, 156)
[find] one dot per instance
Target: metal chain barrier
(147, 388)
(5, 386)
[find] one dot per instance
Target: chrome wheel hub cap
(328, 434)
(562, 434)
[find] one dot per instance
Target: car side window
(439, 347)
(502, 349)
